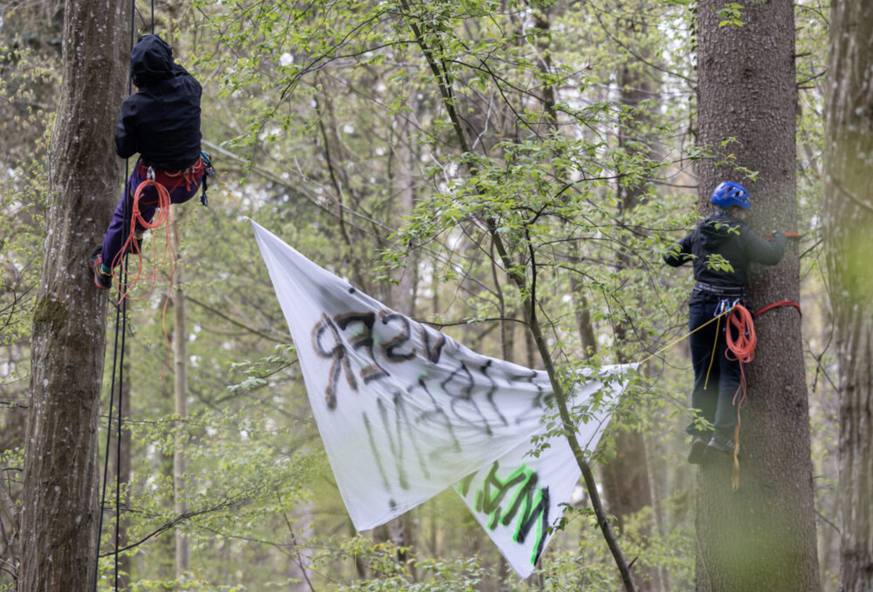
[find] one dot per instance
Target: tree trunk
(123, 467)
(300, 562)
(763, 536)
(849, 234)
(626, 478)
(180, 463)
(60, 509)
(401, 529)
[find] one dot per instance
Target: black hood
(151, 61)
(718, 228)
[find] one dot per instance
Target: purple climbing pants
(148, 205)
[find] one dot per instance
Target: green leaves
(730, 15)
(716, 262)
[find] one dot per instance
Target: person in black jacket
(717, 378)
(161, 122)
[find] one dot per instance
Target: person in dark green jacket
(717, 378)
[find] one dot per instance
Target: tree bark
(763, 536)
(848, 235)
(401, 530)
(180, 463)
(60, 509)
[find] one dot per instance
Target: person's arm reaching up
(759, 250)
(679, 253)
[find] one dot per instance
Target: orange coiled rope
(743, 349)
(743, 346)
(163, 218)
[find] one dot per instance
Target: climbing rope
(743, 346)
(131, 244)
(742, 349)
(128, 233)
(683, 337)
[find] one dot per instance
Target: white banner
(405, 412)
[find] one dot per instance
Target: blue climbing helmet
(729, 194)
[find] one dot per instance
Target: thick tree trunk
(849, 234)
(60, 511)
(180, 462)
(763, 536)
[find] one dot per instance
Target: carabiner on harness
(725, 305)
(210, 172)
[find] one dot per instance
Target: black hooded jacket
(732, 239)
(162, 120)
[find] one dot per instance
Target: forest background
(340, 133)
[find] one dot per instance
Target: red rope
(777, 305)
(743, 349)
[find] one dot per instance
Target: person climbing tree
(721, 283)
(161, 122)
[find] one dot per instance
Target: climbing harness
(164, 183)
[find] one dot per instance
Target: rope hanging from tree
(742, 348)
(118, 360)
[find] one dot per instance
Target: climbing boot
(698, 448)
(719, 447)
(102, 279)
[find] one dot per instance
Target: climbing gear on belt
(206, 158)
(725, 305)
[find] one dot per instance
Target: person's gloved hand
(786, 235)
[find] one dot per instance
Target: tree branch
(529, 302)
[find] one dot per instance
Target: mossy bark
(848, 222)
(60, 507)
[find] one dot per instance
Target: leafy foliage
(397, 143)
